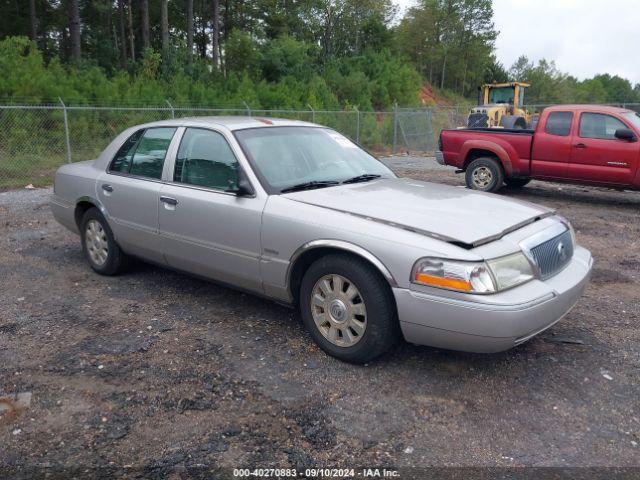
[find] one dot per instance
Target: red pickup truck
(585, 144)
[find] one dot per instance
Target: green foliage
(285, 56)
(549, 85)
(242, 54)
(449, 41)
(327, 54)
(281, 73)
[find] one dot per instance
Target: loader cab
(500, 105)
(504, 93)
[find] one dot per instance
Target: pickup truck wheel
(99, 246)
(516, 182)
(348, 308)
(484, 174)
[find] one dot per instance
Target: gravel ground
(154, 370)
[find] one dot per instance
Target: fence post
(66, 129)
(395, 128)
(313, 113)
(248, 108)
(357, 124)
(173, 113)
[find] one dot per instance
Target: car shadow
(268, 320)
(568, 193)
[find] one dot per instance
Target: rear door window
(122, 161)
(598, 125)
(559, 123)
(148, 158)
(143, 153)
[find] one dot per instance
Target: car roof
(587, 108)
(230, 122)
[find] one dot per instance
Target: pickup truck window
(205, 159)
(559, 123)
(598, 125)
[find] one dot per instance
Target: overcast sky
(583, 37)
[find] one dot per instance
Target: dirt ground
(143, 374)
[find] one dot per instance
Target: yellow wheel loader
(500, 105)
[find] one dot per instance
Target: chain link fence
(36, 140)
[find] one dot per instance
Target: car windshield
(307, 157)
(633, 117)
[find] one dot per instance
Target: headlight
(511, 270)
(473, 277)
(468, 277)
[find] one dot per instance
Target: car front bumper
(492, 323)
(440, 157)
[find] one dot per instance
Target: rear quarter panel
(73, 182)
(512, 149)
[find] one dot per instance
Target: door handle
(169, 200)
(107, 188)
(580, 145)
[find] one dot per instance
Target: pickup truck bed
(592, 145)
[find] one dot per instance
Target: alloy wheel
(97, 243)
(338, 310)
(482, 177)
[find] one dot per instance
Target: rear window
(559, 123)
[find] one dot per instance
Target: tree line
(267, 53)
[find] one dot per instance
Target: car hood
(452, 214)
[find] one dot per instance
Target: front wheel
(348, 308)
(484, 174)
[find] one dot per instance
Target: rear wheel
(484, 174)
(516, 182)
(348, 308)
(99, 246)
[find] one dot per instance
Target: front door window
(206, 160)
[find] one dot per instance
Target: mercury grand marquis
(299, 213)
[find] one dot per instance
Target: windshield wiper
(362, 178)
(310, 185)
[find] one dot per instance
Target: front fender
(344, 246)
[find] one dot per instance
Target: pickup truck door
(129, 191)
(551, 149)
(598, 156)
(204, 229)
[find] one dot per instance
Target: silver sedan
(298, 213)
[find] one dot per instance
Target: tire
(516, 182)
(484, 174)
(332, 320)
(513, 122)
(99, 246)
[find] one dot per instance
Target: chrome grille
(553, 255)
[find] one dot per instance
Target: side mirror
(625, 134)
(241, 188)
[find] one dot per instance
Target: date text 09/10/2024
(316, 473)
